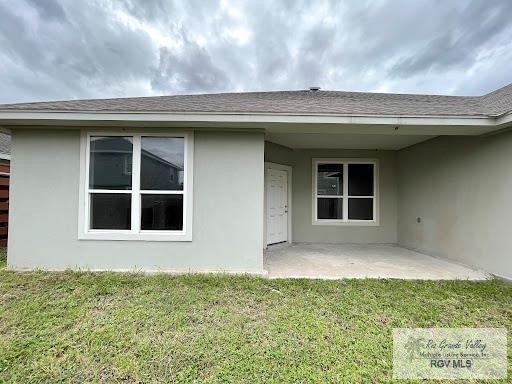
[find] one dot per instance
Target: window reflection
(162, 161)
(111, 210)
(330, 179)
(162, 212)
(110, 163)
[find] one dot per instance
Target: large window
(344, 191)
(136, 186)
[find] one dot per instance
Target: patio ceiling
(345, 140)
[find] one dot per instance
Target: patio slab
(340, 261)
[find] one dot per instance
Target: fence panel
(4, 202)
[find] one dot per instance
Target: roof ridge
(507, 87)
(151, 97)
(499, 101)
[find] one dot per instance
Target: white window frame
(345, 221)
(135, 233)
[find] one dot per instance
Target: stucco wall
(227, 221)
(461, 188)
(278, 154)
(305, 231)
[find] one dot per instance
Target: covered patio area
(355, 261)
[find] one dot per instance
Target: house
(206, 182)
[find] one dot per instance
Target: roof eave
(265, 122)
(316, 118)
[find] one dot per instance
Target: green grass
(3, 257)
(106, 327)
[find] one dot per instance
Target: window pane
(162, 161)
(330, 208)
(330, 179)
(360, 179)
(111, 210)
(110, 163)
(360, 209)
(162, 212)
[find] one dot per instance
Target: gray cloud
(48, 9)
(456, 45)
(192, 71)
(61, 49)
(83, 54)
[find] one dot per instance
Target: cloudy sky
(69, 49)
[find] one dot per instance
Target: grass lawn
(3, 257)
(106, 327)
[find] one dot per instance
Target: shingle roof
(499, 101)
(293, 102)
(5, 144)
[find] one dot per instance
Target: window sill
(127, 236)
(355, 223)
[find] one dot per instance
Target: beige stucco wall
(227, 214)
(278, 154)
(461, 188)
(303, 229)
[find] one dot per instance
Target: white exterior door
(277, 206)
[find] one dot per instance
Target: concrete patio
(339, 261)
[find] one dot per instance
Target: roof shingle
(5, 144)
(292, 102)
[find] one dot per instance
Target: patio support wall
(455, 200)
(227, 213)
